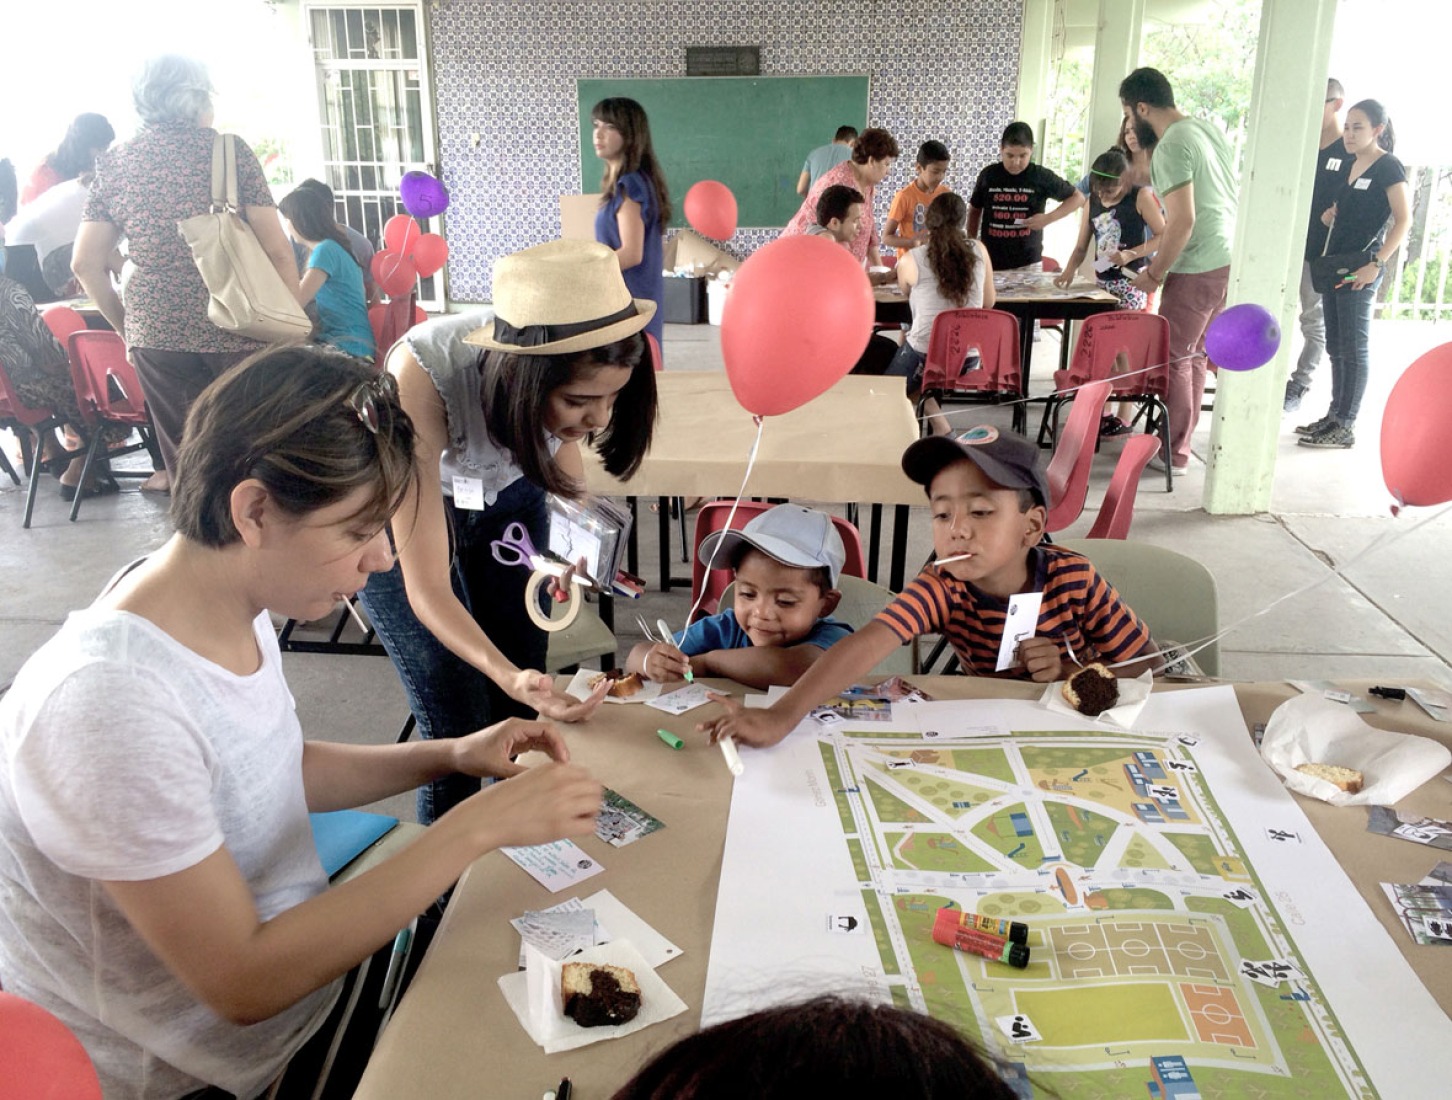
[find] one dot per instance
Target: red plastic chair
(389, 321)
(712, 518)
(31, 423)
(62, 321)
(1068, 472)
(42, 1059)
(1116, 512)
(108, 392)
(657, 363)
(957, 333)
(1118, 343)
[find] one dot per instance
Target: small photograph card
(556, 865)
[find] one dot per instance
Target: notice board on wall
(750, 133)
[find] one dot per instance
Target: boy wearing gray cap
(786, 563)
(989, 499)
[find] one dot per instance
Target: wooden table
(1029, 296)
(844, 447)
(453, 1035)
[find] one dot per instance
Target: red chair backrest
(1050, 266)
(1143, 339)
(993, 333)
(1068, 472)
(712, 517)
(653, 349)
(1116, 513)
(62, 321)
(107, 388)
(390, 320)
(12, 408)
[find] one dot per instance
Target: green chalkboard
(750, 132)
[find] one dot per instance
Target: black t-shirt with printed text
(1333, 165)
(1005, 198)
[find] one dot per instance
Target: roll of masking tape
(537, 579)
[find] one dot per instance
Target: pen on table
(395, 965)
(564, 1090)
(733, 758)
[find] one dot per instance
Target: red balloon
(42, 1059)
(429, 254)
(395, 274)
(1416, 448)
(711, 209)
(400, 234)
(796, 319)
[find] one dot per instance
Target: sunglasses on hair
(364, 400)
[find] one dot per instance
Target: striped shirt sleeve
(922, 608)
(1109, 623)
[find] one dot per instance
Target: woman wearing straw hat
(502, 402)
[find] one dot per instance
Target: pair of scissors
(516, 548)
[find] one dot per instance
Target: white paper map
(1181, 945)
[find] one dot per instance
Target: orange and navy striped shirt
(1080, 607)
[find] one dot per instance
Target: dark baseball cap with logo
(1007, 458)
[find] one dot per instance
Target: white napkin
(1133, 694)
(1312, 730)
(579, 688)
(534, 995)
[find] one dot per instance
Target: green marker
(669, 738)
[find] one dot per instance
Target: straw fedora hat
(559, 297)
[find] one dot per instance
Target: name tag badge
(1333, 164)
(1362, 184)
(469, 493)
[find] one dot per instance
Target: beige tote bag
(247, 294)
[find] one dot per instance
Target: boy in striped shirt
(989, 500)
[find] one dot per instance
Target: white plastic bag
(1310, 729)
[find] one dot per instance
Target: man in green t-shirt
(1193, 176)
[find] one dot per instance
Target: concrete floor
(1387, 617)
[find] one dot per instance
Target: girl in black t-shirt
(1375, 192)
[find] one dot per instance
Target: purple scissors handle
(515, 548)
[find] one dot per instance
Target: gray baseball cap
(788, 533)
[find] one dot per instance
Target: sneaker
(1337, 435)
(1158, 466)
(1293, 399)
(1110, 426)
(1317, 426)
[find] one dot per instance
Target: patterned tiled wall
(506, 70)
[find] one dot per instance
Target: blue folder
(343, 835)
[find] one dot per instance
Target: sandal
(1110, 426)
(102, 486)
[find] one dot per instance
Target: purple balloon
(423, 196)
(1243, 337)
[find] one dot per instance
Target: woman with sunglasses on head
(160, 891)
(1371, 216)
(502, 403)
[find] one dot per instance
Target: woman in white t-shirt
(951, 271)
(160, 891)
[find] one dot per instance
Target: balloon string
(1189, 649)
(730, 516)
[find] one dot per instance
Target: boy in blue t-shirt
(786, 563)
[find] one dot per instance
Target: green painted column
(1116, 55)
(1035, 62)
(1270, 235)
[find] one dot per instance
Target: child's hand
(1035, 221)
(1122, 257)
(1042, 657)
(750, 727)
(664, 663)
(560, 586)
(1063, 279)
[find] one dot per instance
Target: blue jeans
(1348, 329)
(448, 696)
(907, 363)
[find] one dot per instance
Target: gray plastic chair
(1174, 594)
(861, 601)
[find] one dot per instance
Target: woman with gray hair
(143, 187)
